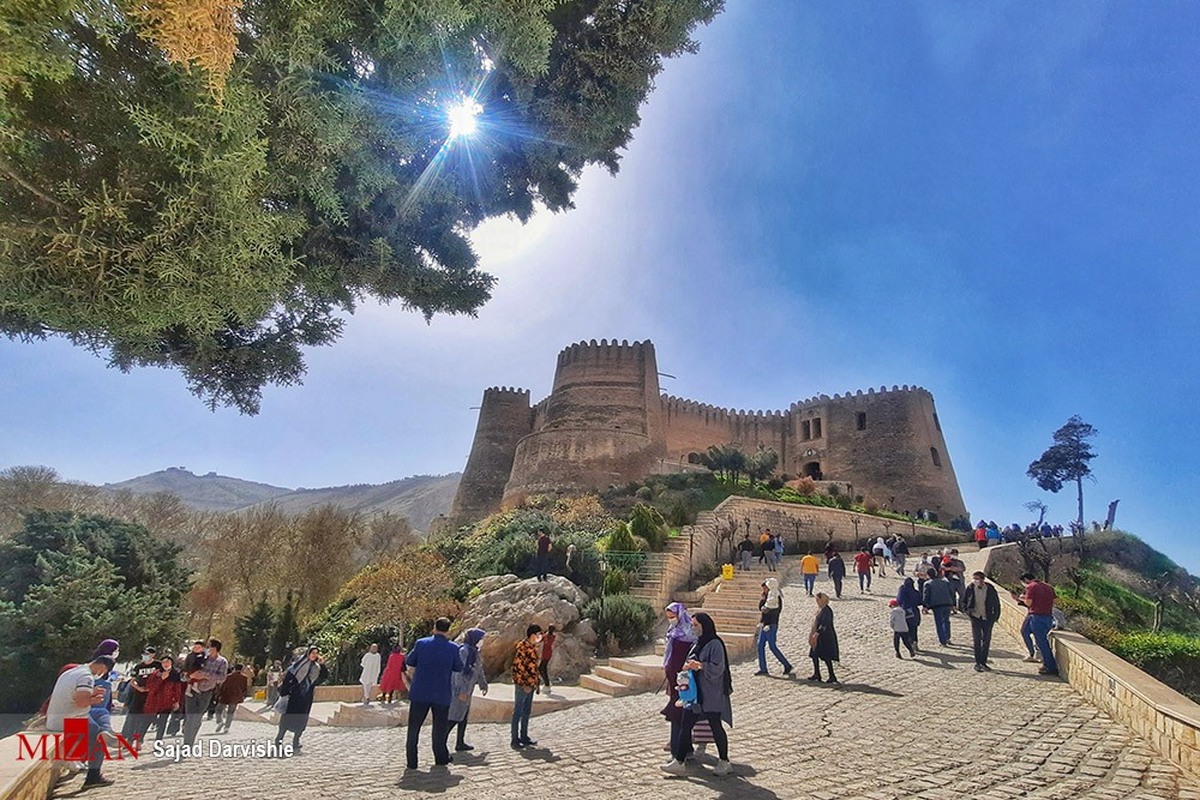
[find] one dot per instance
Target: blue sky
(996, 202)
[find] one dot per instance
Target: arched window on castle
(862, 420)
(937, 459)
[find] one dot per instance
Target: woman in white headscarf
(370, 672)
(680, 638)
(770, 605)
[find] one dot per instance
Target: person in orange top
(810, 565)
(526, 680)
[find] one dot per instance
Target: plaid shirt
(212, 674)
(525, 665)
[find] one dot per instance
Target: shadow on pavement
(861, 688)
(438, 779)
(734, 786)
(539, 754)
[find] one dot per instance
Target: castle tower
(602, 423)
(504, 418)
(888, 444)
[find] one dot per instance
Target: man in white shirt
(370, 672)
(75, 692)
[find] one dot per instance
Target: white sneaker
(674, 768)
(722, 768)
(668, 762)
(1031, 659)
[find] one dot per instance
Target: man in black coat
(981, 604)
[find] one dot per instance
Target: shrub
(626, 619)
(871, 507)
(616, 581)
(647, 523)
(644, 493)
(805, 486)
(620, 539)
(775, 484)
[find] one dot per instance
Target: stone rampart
(1166, 719)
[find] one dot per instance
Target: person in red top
(862, 565)
(1039, 599)
(392, 681)
(547, 654)
(164, 696)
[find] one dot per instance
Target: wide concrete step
(650, 667)
(604, 686)
(630, 679)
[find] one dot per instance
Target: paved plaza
(931, 728)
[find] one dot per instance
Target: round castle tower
(602, 423)
(505, 417)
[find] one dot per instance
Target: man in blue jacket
(434, 659)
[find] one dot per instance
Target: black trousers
(683, 745)
(417, 712)
(981, 638)
(837, 586)
(544, 671)
(899, 638)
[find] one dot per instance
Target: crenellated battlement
(680, 405)
(505, 394)
(603, 351)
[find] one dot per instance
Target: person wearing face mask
(137, 722)
(526, 680)
(770, 605)
(709, 663)
(981, 604)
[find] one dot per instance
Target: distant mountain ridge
(421, 498)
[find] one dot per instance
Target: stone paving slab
(929, 728)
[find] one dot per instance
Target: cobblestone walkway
(928, 728)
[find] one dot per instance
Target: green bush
(616, 581)
(620, 539)
(647, 523)
(626, 619)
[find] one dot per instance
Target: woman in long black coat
(299, 686)
(822, 640)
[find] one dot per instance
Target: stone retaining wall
(1167, 720)
(24, 780)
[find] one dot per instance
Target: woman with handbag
(679, 641)
(709, 663)
(299, 686)
(822, 640)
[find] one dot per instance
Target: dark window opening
(805, 430)
(937, 459)
(812, 470)
(936, 422)
(862, 420)
(816, 428)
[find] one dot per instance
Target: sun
(463, 117)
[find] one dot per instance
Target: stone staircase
(624, 676)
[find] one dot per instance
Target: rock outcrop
(507, 605)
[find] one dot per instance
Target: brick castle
(605, 422)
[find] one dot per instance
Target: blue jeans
(810, 583)
(522, 707)
(766, 638)
(1027, 635)
(1041, 625)
(864, 580)
(941, 620)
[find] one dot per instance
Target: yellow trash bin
(727, 572)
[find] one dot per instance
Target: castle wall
(605, 422)
(504, 418)
(601, 424)
(691, 427)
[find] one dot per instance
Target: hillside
(420, 498)
(211, 492)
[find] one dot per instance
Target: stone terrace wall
(1169, 721)
(804, 526)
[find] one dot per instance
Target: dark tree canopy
(68, 581)
(209, 185)
(1066, 460)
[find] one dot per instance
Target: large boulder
(507, 605)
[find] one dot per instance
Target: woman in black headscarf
(822, 640)
(299, 686)
(709, 664)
